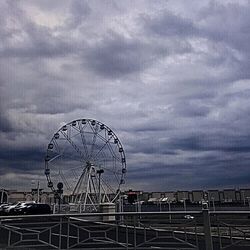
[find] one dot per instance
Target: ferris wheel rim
(101, 125)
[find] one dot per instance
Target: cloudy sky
(171, 78)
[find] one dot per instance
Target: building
(197, 196)
(182, 195)
(229, 195)
(3, 196)
(156, 195)
(213, 195)
(16, 196)
(245, 195)
(170, 196)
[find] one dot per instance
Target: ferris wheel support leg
(79, 188)
(87, 191)
(79, 183)
(104, 194)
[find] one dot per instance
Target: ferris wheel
(88, 158)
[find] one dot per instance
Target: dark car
(11, 209)
(3, 208)
(35, 208)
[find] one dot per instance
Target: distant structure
(226, 196)
(13, 196)
(3, 196)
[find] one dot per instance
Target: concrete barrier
(108, 208)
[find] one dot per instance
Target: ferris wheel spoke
(112, 171)
(103, 138)
(113, 153)
(73, 145)
(54, 158)
(56, 145)
(100, 150)
(95, 131)
(83, 140)
(64, 180)
(78, 184)
(107, 185)
(73, 169)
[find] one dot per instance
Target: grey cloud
(56, 102)
(189, 109)
(169, 24)
(79, 12)
(117, 56)
(235, 20)
(5, 124)
(166, 82)
(213, 142)
(29, 40)
(16, 157)
(41, 44)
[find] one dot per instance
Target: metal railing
(129, 230)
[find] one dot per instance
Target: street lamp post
(37, 189)
(160, 205)
(212, 198)
(248, 200)
(59, 195)
(184, 203)
(99, 172)
(244, 199)
(2, 193)
(38, 192)
(169, 209)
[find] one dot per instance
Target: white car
(189, 217)
(11, 208)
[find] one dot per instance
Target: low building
(182, 195)
(156, 195)
(170, 196)
(144, 196)
(197, 196)
(213, 195)
(44, 197)
(229, 195)
(245, 195)
(3, 196)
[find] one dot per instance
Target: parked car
(3, 208)
(35, 208)
(11, 209)
(189, 217)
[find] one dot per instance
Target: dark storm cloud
(116, 56)
(40, 43)
(191, 109)
(55, 103)
(169, 24)
(233, 34)
(5, 124)
(80, 11)
(35, 41)
(236, 20)
(173, 83)
(229, 39)
(16, 157)
(205, 142)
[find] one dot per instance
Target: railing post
(207, 229)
